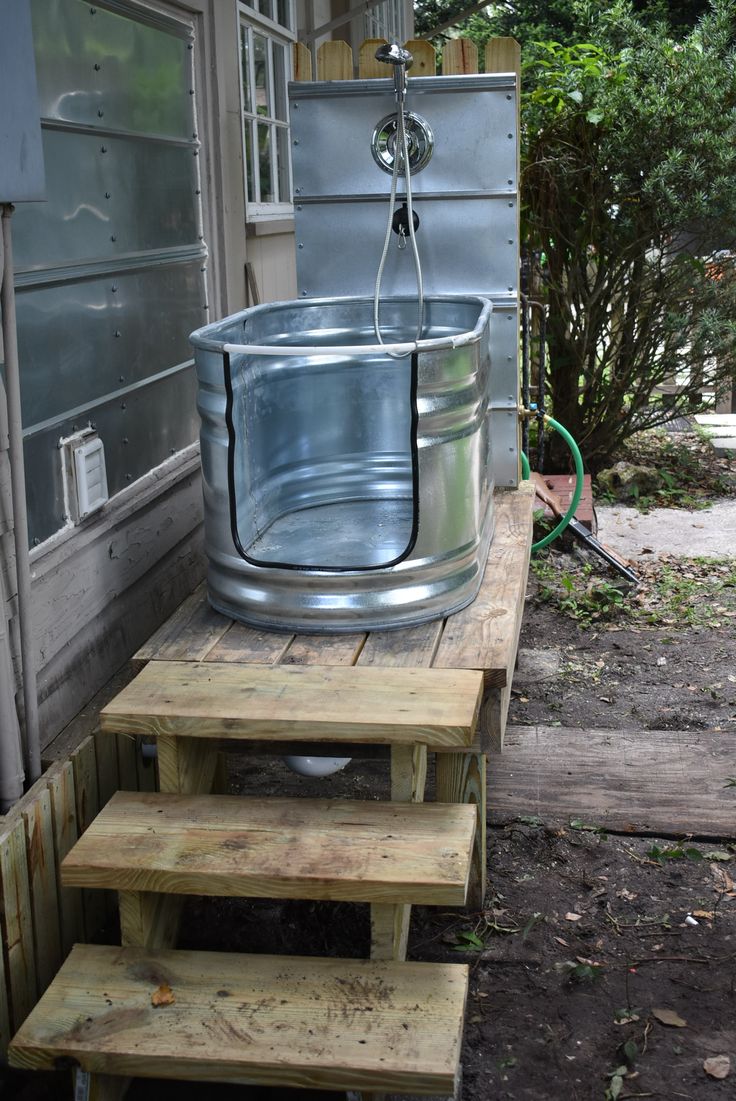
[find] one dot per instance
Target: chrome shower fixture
(401, 60)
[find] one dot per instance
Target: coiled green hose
(579, 474)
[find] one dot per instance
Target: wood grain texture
(324, 650)
(239, 847)
(408, 648)
(17, 922)
(368, 67)
(39, 826)
(250, 646)
(189, 634)
(341, 1024)
(485, 635)
(87, 797)
(60, 781)
(461, 778)
(148, 920)
(302, 61)
(425, 57)
(502, 55)
(334, 61)
(459, 56)
(208, 700)
(642, 781)
(186, 765)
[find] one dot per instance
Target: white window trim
(248, 16)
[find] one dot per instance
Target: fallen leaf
(562, 942)
(163, 996)
(669, 1017)
(569, 916)
(628, 895)
(627, 1019)
(719, 1066)
(707, 914)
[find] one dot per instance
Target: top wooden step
(330, 1024)
(437, 707)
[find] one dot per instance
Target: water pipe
(550, 422)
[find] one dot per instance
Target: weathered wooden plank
(106, 755)
(302, 61)
(87, 799)
(459, 56)
(189, 634)
(148, 920)
(186, 765)
(485, 635)
(60, 781)
(324, 650)
(99, 1012)
(334, 61)
(210, 701)
(17, 921)
(99, 1087)
(127, 750)
(411, 647)
(239, 847)
(38, 819)
(390, 923)
(502, 55)
(250, 646)
(461, 778)
(668, 782)
(5, 1027)
(368, 67)
(425, 57)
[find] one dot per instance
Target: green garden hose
(579, 474)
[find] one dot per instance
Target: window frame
(250, 22)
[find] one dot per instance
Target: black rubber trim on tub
(414, 447)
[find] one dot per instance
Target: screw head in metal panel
(300, 245)
(36, 540)
(299, 206)
(510, 136)
(121, 378)
(100, 113)
(304, 294)
(296, 141)
(123, 405)
(113, 237)
(198, 191)
(129, 477)
(97, 67)
(103, 149)
(116, 333)
(509, 97)
(107, 194)
(125, 439)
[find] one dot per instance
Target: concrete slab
(707, 533)
(710, 420)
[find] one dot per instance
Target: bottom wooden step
(270, 1020)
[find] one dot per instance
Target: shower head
(394, 55)
(401, 60)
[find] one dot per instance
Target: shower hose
(401, 154)
(577, 459)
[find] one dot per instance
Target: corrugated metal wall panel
(111, 271)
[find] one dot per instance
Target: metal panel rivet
(198, 191)
(509, 182)
(100, 113)
(114, 287)
(172, 451)
(190, 45)
(125, 439)
(113, 237)
(296, 141)
(97, 67)
(107, 194)
(511, 204)
(509, 97)
(93, 11)
(123, 405)
(103, 149)
(510, 136)
(117, 332)
(121, 378)
(36, 541)
(511, 449)
(196, 153)
(304, 294)
(191, 91)
(295, 106)
(301, 245)
(297, 191)
(194, 136)
(511, 240)
(129, 477)
(509, 288)
(299, 206)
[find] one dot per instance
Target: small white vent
(85, 477)
(90, 476)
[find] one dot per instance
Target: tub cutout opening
(322, 460)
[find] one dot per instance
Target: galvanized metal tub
(345, 489)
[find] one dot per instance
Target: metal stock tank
(346, 488)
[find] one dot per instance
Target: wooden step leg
(461, 778)
(389, 922)
(99, 1087)
(187, 765)
(148, 920)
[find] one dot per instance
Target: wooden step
(330, 1024)
(277, 848)
(434, 707)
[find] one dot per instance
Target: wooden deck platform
(656, 782)
(482, 637)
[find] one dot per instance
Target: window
(387, 20)
(266, 35)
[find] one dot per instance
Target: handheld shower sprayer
(402, 60)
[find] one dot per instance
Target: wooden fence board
(425, 57)
(334, 61)
(302, 59)
(459, 57)
(368, 67)
(60, 779)
(17, 924)
(87, 798)
(38, 820)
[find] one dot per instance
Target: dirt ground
(602, 966)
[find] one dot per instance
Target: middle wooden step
(237, 847)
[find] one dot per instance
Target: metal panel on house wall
(110, 272)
